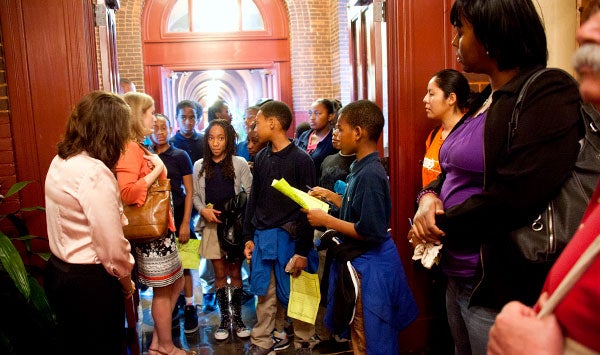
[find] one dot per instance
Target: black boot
(236, 313)
(223, 299)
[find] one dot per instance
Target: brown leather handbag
(151, 220)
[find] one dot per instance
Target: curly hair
(208, 165)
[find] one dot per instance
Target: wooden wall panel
(419, 38)
(50, 64)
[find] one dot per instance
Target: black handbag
(544, 239)
(231, 239)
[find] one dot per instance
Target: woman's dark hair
(510, 30)
(329, 105)
(452, 81)
(208, 165)
(98, 125)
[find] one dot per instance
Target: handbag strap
(144, 148)
(514, 120)
(580, 266)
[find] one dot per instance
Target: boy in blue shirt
(275, 229)
(384, 303)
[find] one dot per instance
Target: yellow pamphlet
(305, 296)
(300, 197)
(189, 253)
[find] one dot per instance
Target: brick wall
(129, 41)
(477, 82)
(319, 49)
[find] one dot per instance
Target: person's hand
(154, 162)
(320, 193)
(184, 233)
(412, 239)
(300, 263)
(248, 250)
(211, 215)
(517, 331)
(424, 227)
(316, 217)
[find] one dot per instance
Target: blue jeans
(469, 326)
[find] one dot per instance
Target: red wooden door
(50, 54)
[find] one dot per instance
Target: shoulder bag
(544, 239)
(151, 220)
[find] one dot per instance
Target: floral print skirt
(158, 261)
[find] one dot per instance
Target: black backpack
(230, 234)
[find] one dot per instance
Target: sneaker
(221, 334)
(190, 319)
(257, 350)
(242, 331)
(281, 341)
(208, 302)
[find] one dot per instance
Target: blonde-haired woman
(157, 261)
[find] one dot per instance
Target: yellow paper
(189, 253)
(300, 197)
(305, 296)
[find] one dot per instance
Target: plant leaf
(17, 187)
(45, 256)
(26, 237)
(12, 263)
(40, 301)
(34, 208)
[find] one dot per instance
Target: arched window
(215, 16)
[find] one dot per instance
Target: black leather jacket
(518, 182)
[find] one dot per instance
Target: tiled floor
(203, 340)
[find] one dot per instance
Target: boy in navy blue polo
(275, 229)
(384, 304)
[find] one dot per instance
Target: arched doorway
(184, 50)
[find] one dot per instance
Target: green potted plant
(23, 301)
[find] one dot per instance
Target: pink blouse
(83, 214)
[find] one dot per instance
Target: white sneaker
(221, 334)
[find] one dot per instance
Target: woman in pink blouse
(88, 275)
(158, 262)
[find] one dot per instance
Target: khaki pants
(357, 327)
(266, 309)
